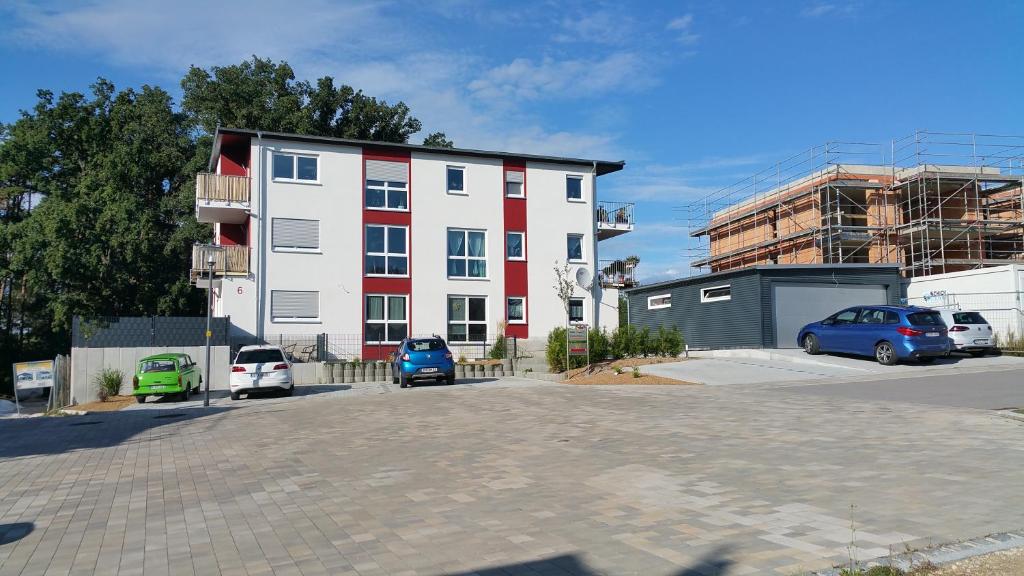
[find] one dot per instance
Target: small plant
(462, 358)
(357, 361)
(108, 383)
(636, 372)
(528, 370)
(617, 369)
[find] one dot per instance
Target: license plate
(984, 341)
(428, 369)
(932, 334)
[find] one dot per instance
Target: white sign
(28, 375)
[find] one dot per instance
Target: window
(716, 293)
(431, 345)
(659, 301)
(386, 251)
(456, 180)
(845, 317)
(387, 185)
(515, 245)
(926, 319)
(467, 253)
(576, 310)
(574, 245)
(159, 366)
(259, 356)
(294, 167)
(386, 318)
(968, 318)
(294, 306)
(467, 318)
(574, 188)
(291, 234)
(877, 317)
(514, 184)
(516, 310)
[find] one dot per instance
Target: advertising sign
(577, 336)
(29, 375)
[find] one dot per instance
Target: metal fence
(326, 347)
(1002, 310)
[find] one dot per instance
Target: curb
(942, 554)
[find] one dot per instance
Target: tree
(438, 140)
(564, 285)
(262, 95)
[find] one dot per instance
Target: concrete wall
(87, 362)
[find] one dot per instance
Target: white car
(968, 332)
(260, 368)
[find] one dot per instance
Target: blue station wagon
(889, 333)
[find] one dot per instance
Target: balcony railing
(617, 274)
(222, 188)
(227, 260)
(613, 219)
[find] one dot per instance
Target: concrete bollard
(348, 373)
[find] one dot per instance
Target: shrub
(622, 344)
(642, 343)
(556, 352)
(636, 372)
(672, 342)
(884, 571)
(497, 351)
(108, 383)
(600, 345)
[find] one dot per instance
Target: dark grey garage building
(760, 306)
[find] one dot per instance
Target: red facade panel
(234, 155)
(515, 270)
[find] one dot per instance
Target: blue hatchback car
(423, 359)
(889, 333)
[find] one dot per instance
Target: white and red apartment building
(317, 235)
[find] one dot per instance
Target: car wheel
(235, 396)
(977, 353)
(290, 390)
(811, 344)
(403, 381)
(187, 393)
(450, 380)
(885, 354)
(140, 399)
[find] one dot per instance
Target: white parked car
(260, 368)
(968, 332)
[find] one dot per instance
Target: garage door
(799, 304)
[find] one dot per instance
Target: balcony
(617, 273)
(221, 198)
(613, 219)
(227, 261)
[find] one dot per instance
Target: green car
(164, 375)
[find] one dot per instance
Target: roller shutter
(294, 305)
(294, 233)
(387, 171)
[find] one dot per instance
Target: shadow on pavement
(57, 435)
(714, 563)
(460, 381)
(953, 358)
(15, 531)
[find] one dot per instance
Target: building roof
(759, 268)
(603, 166)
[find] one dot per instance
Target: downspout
(261, 249)
(595, 287)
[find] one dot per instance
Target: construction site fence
(1002, 310)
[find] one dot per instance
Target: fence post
(321, 347)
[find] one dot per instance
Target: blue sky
(694, 96)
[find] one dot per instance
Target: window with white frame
(716, 293)
(387, 250)
(294, 167)
(467, 253)
(387, 318)
(467, 318)
(295, 235)
(574, 188)
(516, 310)
(515, 245)
(456, 180)
(575, 310)
(294, 306)
(514, 184)
(387, 185)
(659, 301)
(574, 248)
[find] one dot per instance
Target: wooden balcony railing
(221, 188)
(228, 260)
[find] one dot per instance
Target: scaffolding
(931, 202)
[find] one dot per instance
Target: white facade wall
(994, 292)
(336, 270)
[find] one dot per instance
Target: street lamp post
(210, 261)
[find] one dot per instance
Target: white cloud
(598, 27)
(683, 29)
(821, 9)
(524, 79)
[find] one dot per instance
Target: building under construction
(930, 202)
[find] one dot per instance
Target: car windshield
(259, 356)
(158, 366)
(426, 345)
(968, 318)
(926, 319)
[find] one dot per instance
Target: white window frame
(507, 317)
(295, 167)
(583, 306)
(466, 258)
(582, 198)
(583, 249)
(523, 244)
(704, 297)
(651, 306)
(465, 187)
(296, 320)
(387, 188)
(467, 322)
(387, 251)
(386, 320)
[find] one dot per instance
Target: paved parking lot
(502, 477)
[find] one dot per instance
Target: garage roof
(823, 268)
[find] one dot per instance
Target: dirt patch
(620, 372)
(112, 404)
(630, 362)
(1005, 563)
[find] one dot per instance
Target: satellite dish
(584, 278)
